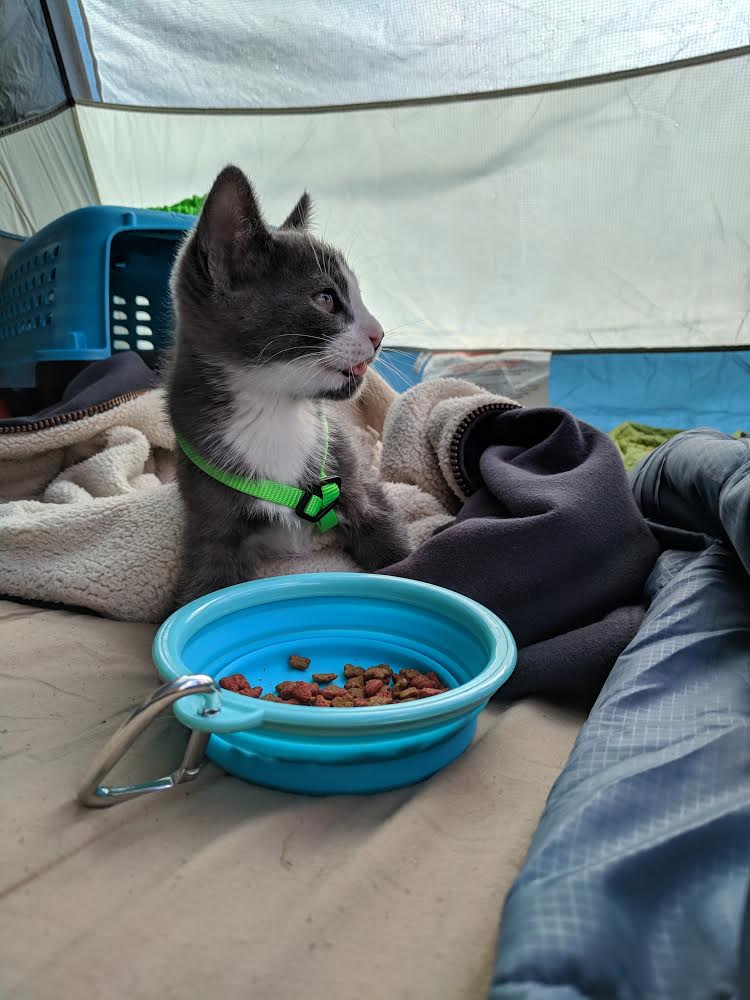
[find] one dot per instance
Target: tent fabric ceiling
(234, 54)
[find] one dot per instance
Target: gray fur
(257, 357)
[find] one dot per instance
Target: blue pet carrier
(89, 284)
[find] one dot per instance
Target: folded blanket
(527, 511)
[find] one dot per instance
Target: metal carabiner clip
(95, 795)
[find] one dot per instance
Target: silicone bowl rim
(184, 623)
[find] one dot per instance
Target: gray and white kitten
(271, 330)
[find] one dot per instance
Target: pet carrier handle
(95, 795)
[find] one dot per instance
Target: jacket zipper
(459, 432)
(68, 418)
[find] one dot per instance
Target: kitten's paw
(205, 581)
(381, 550)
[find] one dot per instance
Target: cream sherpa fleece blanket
(92, 516)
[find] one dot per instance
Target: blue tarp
(636, 881)
(681, 390)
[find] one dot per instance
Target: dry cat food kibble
(378, 685)
(299, 662)
(239, 683)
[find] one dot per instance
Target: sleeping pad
(636, 881)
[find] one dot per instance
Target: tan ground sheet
(223, 890)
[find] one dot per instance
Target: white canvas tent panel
(615, 214)
(43, 173)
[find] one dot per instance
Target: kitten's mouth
(357, 370)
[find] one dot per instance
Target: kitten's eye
(325, 301)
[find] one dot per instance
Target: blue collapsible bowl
(335, 618)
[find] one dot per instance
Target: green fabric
(188, 206)
(635, 441)
(271, 491)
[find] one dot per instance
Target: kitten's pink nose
(375, 335)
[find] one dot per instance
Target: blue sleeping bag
(636, 882)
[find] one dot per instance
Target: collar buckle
(316, 503)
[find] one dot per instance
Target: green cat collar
(314, 505)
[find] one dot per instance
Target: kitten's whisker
(315, 254)
(314, 369)
(353, 241)
(395, 371)
(401, 326)
(301, 345)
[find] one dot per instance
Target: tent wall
(43, 173)
(30, 82)
(602, 216)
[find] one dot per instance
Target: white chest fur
(273, 437)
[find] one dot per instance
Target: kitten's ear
(299, 216)
(231, 229)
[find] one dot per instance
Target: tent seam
(61, 69)
(35, 120)
(89, 42)
(487, 95)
